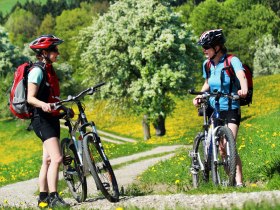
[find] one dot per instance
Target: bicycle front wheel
(224, 169)
(73, 172)
(100, 168)
(199, 157)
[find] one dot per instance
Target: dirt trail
(21, 194)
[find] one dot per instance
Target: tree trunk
(159, 125)
(146, 127)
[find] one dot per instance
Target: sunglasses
(54, 50)
(206, 47)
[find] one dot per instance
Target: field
(258, 142)
(6, 5)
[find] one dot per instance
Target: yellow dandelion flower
(177, 181)
(119, 208)
(273, 145)
(253, 185)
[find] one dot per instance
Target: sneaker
(240, 185)
(57, 201)
(43, 203)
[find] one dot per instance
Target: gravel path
(21, 194)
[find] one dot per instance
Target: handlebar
(88, 91)
(218, 94)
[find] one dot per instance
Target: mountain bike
(83, 153)
(215, 136)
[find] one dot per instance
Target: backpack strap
(228, 68)
(42, 66)
(207, 67)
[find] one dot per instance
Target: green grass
(7, 5)
(258, 143)
(258, 146)
(21, 151)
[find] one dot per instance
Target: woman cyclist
(212, 42)
(43, 89)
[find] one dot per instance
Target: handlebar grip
(98, 85)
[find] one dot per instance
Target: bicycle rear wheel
(198, 154)
(224, 170)
(100, 168)
(73, 172)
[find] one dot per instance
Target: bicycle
(205, 154)
(84, 155)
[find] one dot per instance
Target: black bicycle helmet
(212, 38)
(45, 42)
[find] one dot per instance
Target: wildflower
(253, 185)
(177, 181)
(272, 145)
(6, 201)
(274, 134)
(119, 208)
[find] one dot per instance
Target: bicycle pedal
(71, 171)
(192, 154)
(106, 185)
(193, 170)
(67, 160)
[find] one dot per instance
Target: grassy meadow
(258, 143)
(6, 5)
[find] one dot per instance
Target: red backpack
(228, 68)
(18, 96)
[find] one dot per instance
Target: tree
(21, 25)
(242, 21)
(47, 26)
(266, 59)
(68, 25)
(144, 53)
(250, 26)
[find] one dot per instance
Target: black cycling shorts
(231, 116)
(46, 128)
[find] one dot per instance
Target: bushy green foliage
(243, 22)
(250, 26)
(21, 26)
(67, 27)
(266, 59)
(143, 51)
(47, 25)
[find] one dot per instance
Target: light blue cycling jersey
(35, 76)
(214, 82)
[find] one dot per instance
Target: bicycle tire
(199, 176)
(75, 178)
(224, 170)
(100, 168)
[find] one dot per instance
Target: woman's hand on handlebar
(46, 107)
(197, 100)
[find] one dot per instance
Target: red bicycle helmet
(45, 42)
(212, 38)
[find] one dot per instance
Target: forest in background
(133, 69)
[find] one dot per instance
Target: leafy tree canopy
(143, 51)
(21, 26)
(68, 25)
(266, 59)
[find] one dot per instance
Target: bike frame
(211, 127)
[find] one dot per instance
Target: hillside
(7, 5)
